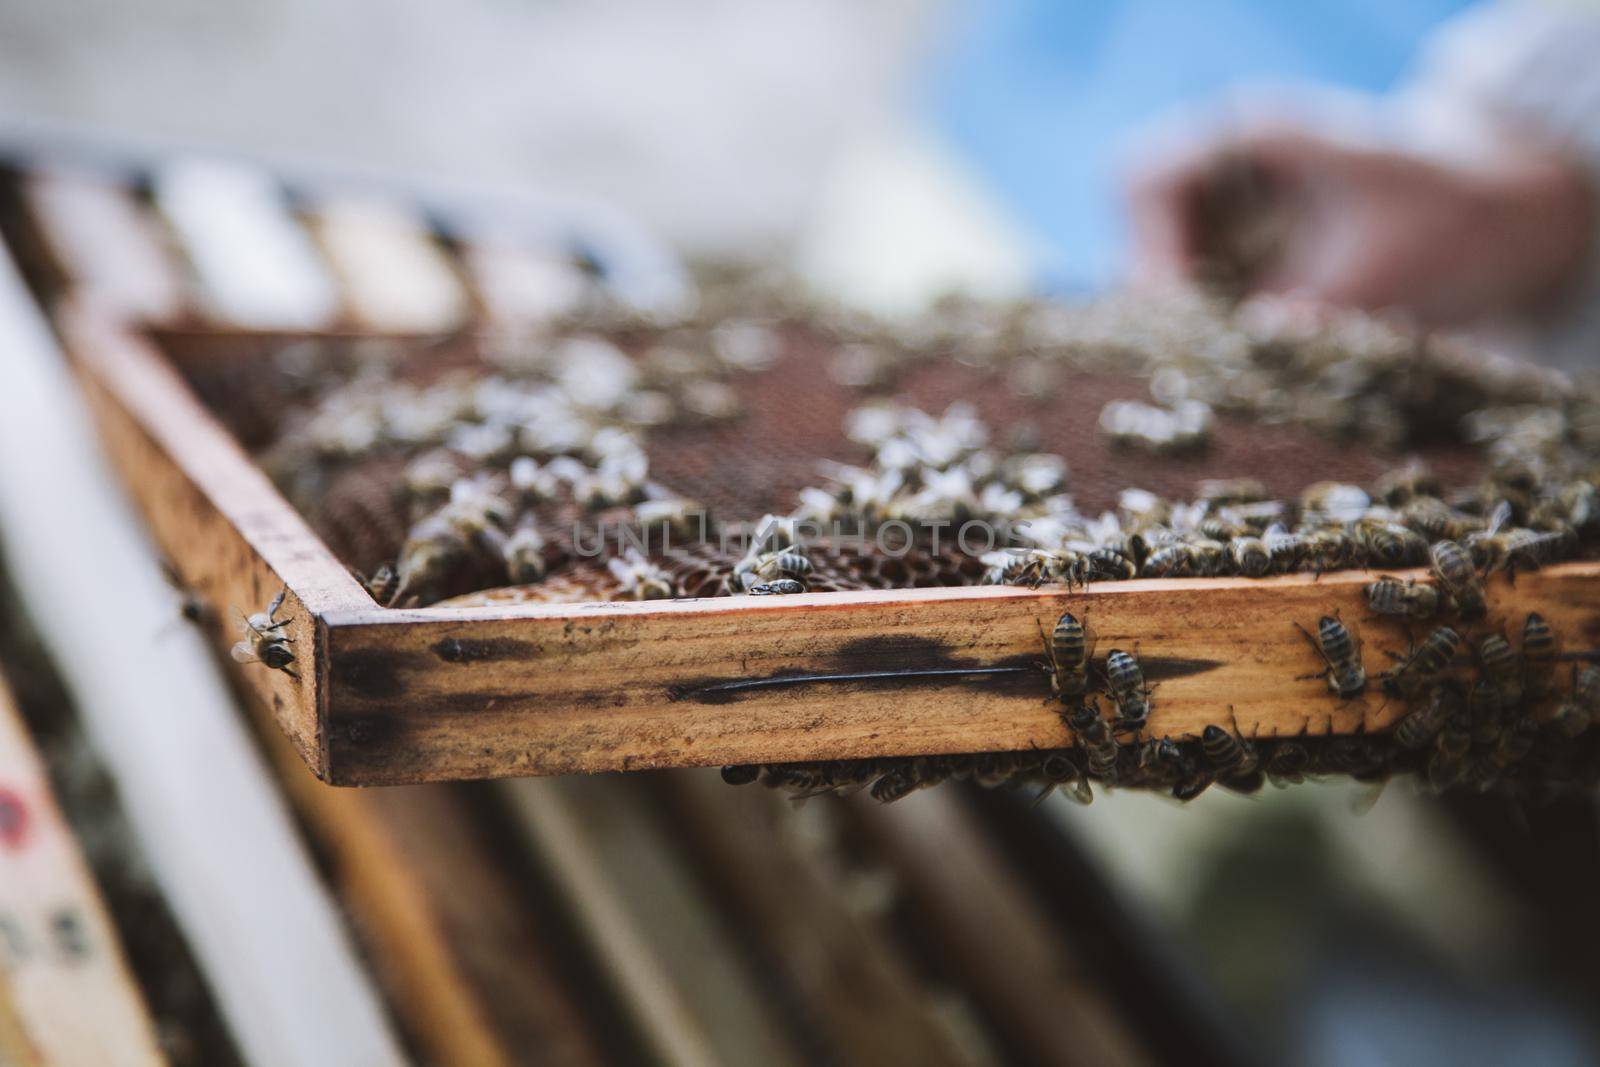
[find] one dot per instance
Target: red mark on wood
(13, 819)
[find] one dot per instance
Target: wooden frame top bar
(390, 696)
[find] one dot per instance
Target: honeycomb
(792, 417)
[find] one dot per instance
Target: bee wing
(1367, 799)
(243, 652)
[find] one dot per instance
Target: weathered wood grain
(1012, 957)
(232, 541)
(658, 936)
(66, 994)
(853, 983)
(473, 692)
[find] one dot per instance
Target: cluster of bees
(1174, 431)
(1475, 721)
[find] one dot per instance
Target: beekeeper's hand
(1376, 228)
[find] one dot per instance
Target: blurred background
(890, 151)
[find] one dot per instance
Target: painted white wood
(255, 264)
(61, 966)
(394, 275)
(108, 240)
(208, 815)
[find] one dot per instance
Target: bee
(1192, 785)
(1400, 486)
(990, 769)
(1484, 710)
(1067, 652)
(838, 777)
(1436, 520)
(1287, 763)
(524, 555)
(1500, 665)
(459, 538)
(1453, 568)
(1586, 687)
(1216, 528)
(1174, 560)
(1389, 544)
(741, 773)
(1109, 564)
(1428, 659)
(1285, 548)
(788, 563)
(1250, 556)
(1414, 600)
(639, 578)
(1341, 652)
(1208, 558)
(777, 587)
(1362, 758)
(383, 585)
(1038, 566)
(265, 641)
(1099, 747)
(1125, 683)
(1162, 761)
(1228, 752)
(1575, 714)
(190, 607)
(1059, 770)
(675, 517)
(1331, 549)
(1538, 640)
(1447, 765)
(1222, 492)
(1419, 727)
(1514, 745)
(1516, 549)
(897, 783)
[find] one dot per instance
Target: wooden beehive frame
(388, 696)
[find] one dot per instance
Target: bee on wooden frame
(1345, 675)
(1125, 684)
(265, 641)
(1425, 661)
(1067, 649)
(1458, 578)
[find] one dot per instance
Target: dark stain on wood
(371, 674)
(901, 661)
(483, 650)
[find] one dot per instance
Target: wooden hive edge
(390, 697)
(231, 540)
(470, 693)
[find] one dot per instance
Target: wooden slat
(845, 969)
(1012, 956)
(254, 264)
(470, 976)
(654, 929)
(105, 243)
(437, 694)
(63, 980)
(522, 286)
(393, 273)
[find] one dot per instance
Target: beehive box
(385, 695)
